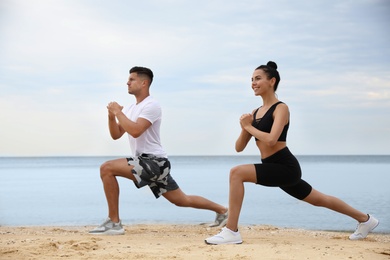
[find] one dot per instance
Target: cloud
(63, 61)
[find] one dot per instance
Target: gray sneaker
(108, 228)
(220, 220)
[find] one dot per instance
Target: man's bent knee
(105, 169)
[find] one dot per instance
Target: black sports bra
(265, 123)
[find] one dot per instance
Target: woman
(279, 168)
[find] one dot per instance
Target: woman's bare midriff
(266, 150)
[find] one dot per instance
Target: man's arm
(116, 131)
(122, 124)
(135, 129)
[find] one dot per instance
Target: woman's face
(260, 83)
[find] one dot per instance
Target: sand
(186, 242)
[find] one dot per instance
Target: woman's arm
(281, 117)
(244, 137)
(242, 140)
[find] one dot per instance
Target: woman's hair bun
(272, 64)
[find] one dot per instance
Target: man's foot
(364, 228)
(220, 220)
(108, 228)
(226, 236)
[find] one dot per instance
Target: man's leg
(180, 199)
(108, 172)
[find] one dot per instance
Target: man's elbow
(115, 137)
(136, 134)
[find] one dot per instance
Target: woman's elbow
(271, 142)
(239, 148)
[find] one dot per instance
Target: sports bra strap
(274, 105)
(255, 113)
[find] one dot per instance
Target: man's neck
(141, 98)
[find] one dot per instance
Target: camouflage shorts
(154, 172)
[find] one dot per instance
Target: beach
(169, 241)
(48, 205)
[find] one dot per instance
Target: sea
(67, 191)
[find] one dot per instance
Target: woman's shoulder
(280, 104)
(281, 107)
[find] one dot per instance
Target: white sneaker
(108, 228)
(364, 228)
(226, 236)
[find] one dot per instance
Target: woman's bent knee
(235, 174)
(243, 173)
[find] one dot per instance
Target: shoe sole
(229, 243)
(108, 233)
(374, 227)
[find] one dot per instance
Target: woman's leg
(230, 234)
(238, 175)
(319, 199)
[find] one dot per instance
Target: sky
(63, 61)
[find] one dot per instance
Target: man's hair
(143, 71)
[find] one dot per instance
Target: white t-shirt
(149, 142)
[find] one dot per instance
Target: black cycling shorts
(282, 170)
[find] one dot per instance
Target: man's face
(134, 83)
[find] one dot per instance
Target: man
(149, 164)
